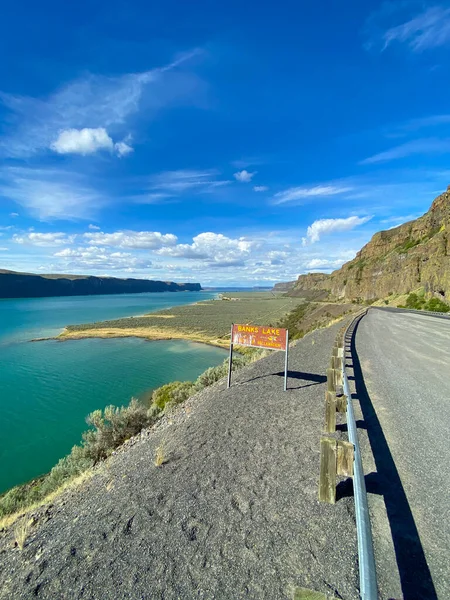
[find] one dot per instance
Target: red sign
(272, 338)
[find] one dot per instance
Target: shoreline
(115, 333)
(102, 333)
(150, 336)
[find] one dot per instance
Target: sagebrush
(109, 429)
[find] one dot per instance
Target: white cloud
(43, 239)
(49, 193)
(217, 248)
(176, 182)
(122, 148)
(132, 239)
(323, 264)
(326, 226)
(94, 101)
(400, 219)
(277, 257)
(150, 198)
(94, 227)
(87, 141)
(82, 141)
(244, 176)
(430, 121)
(14, 214)
(429, 29)
(300, 193)
(260, 188)
(95, 258)
(424, 146)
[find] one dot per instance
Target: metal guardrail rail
(367, 569)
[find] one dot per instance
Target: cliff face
(284, 286)
(27, 285)
(397, 261)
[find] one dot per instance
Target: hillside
(397, 261)
(231, 513)
(29, 285)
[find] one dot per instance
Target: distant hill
(397, 261)
(284, 286)
(29, 285)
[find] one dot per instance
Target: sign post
(230, 362)
(270, 338)
(286, 361)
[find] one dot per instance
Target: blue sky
(226, 143)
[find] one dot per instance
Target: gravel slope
(232, 514)
(405, 362)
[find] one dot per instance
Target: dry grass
(160, 456)
(149, 333)
(9, 520)
(21, 532)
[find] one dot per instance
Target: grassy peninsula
(207, 322)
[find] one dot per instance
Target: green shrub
(213, 374)
(164, 394)
(386, 301)
(418, 302)
(414, 301)
(112, 427)
(183, 391)
(437, 305)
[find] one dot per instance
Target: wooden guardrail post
(345, 458)
(330, 412)
(336, 458)
(327, 482)
(331, 381)
(341, 404)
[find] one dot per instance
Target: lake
(47, 388)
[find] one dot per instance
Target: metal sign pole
(231, 357)
(286, 361)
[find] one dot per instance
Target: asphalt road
(402, 376)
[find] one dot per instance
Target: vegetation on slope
(109, 429)
(313, 315)
(419, 302)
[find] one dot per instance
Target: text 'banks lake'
(47, 388)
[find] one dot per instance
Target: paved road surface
(404, 360)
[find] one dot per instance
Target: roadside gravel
(233, 513)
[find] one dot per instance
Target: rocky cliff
(284, 286)
(28, 285)
(413, 255)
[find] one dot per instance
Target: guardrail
(344, 458)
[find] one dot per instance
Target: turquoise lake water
(47, 388)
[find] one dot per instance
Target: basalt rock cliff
(398, 261)
(29, 285)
